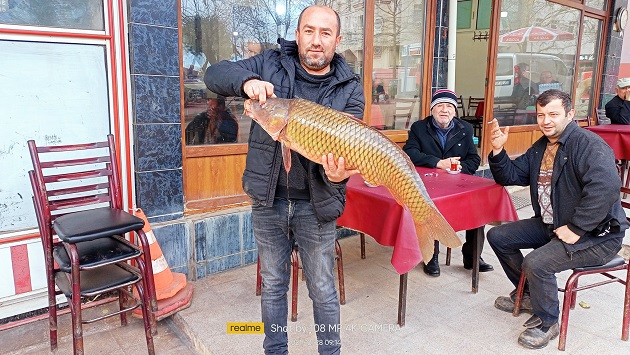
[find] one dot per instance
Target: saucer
(369, 185)
(453, 172)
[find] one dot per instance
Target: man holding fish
(303, 202)
(578, 219)
(445, 142)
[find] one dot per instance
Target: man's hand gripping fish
(314, 130)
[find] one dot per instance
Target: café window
(70, 14)
(397, 64)
(537, 51)
(216, 31)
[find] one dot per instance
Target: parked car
(507, 71)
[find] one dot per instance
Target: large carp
(314, 130)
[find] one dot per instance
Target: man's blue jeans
(316, 244)
(541, 264)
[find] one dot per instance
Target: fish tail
(435, 227)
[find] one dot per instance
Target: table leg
(362, 235)
(402, 300)
(476, 255)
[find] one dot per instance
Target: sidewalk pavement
(443, 316)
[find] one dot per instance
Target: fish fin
(286, 156)
(435, 227)
(427, 246)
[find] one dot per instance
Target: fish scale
(314, 130)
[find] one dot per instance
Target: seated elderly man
(618, 109)
(439, 141)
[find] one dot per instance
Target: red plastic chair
(570, 294)
(77, 197)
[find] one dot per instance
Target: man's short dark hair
(336, 14)
(554, 94)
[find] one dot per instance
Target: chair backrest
(601, 116)
(461, 111)
(581, 120)
(71, 178)
(403, 111)
(473, 103)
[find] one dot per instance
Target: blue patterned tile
(182, 270)
(166, 217)
(441, 8)
(223, 233)
(201, 271)
(247, 231)
(200, 241)
(154, 12)
(154, 50)
(440, 72)
(156, 99)
(222, 264)
(158, 146)
(160, 192)
(174, 242)
(250, 257)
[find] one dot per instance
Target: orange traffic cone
(172, 291)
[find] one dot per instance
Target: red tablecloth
(617, 136)
(465, 201)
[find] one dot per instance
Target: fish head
(273, 116)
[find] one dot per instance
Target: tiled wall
(196, 245)
(207, 244)
(216, 248)
(154, 57)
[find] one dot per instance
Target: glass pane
(397, 75)
(211, 32)
(77, 14)
(587, 66)
(215, 31)
(537, 51)
(52, 93)
(464, 10)
(598, 4)
(484, 11)
(352, 29)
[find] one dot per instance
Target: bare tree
(395, 15)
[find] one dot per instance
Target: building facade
(73, 71)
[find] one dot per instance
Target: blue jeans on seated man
(316, 243)
(541, 265)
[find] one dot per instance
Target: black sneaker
(506, 303)
(432, 268)
(483, 266)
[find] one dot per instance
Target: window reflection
(217, 124)
(589, 50)
(537, 52)
(215, 31)
(598, 4)
(397, 73)
(77, 14)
